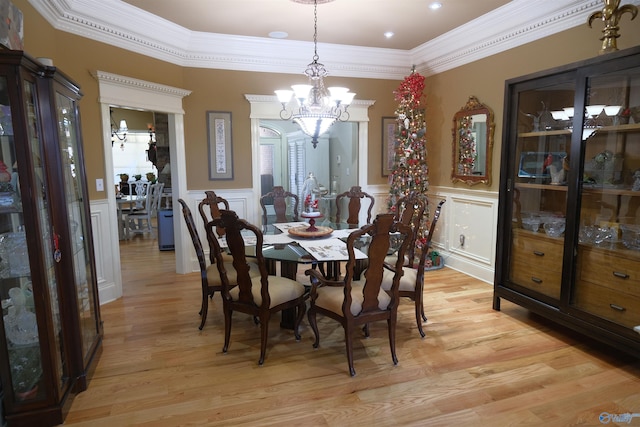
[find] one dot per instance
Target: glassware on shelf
(554, 227)
(14, 258)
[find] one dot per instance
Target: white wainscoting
(107, 252)
(473, 214)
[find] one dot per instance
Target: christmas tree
(410, 171)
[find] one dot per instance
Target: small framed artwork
(388, 144)
(220, 145)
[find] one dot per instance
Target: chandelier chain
(315, 31)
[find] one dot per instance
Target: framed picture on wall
(388, 144)
(220, 145)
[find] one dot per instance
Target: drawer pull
(617, 307)
(620, 275)
(538, 253)
(536, 280)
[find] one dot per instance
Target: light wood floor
(475, 367)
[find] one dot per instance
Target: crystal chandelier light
(315, 108)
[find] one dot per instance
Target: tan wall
(224, 90)
(448, 92)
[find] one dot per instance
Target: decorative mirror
(472, 143)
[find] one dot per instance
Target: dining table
(286, 244)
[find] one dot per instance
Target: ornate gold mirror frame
(472, 131)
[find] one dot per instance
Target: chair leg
(391, 323)
(419, 314)
(264, 334)
(302, 308)
(349, 345)
(204, 308)
(227, 328)
(311, 316)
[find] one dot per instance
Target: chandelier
(116, 131)
(315, 108)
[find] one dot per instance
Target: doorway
(122, 91)
(266, 109)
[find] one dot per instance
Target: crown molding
(119, 24)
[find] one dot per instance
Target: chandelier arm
(344, 116)
(286, 114)
(123, 138)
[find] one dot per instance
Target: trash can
(165, 230)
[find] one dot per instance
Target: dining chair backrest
(379, 231)
(410, 210)
(139, 189)
(434, 221)
(154, 195)
(234, 227)
(284, 203)
(209, 208)
(355, 194)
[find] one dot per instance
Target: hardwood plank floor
(476, 366)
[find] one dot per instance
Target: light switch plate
(99, 184)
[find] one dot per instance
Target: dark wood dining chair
(409, 210)
(359, 302)
(412, 281)
(355, 194)
(258, 296)
(209, 277)
(209, 208)
(285, 205)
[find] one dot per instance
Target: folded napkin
(285, 226)
(329, 250)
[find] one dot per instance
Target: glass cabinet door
(541, 147)
(78, 222)
(607, 276)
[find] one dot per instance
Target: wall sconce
(116, 131)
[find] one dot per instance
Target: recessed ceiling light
(435, 5)
(388, 34)
(278, 34)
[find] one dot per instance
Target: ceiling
(346, 22)
(234, 34)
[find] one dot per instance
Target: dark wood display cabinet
(569, 213)
(51, 330)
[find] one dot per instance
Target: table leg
(288, 269)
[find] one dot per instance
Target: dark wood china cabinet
(569, 215)
(51, 330)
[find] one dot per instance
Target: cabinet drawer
(604, 302)
(540, 253)
(607, 269)
(537, 264)
(544, 281)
